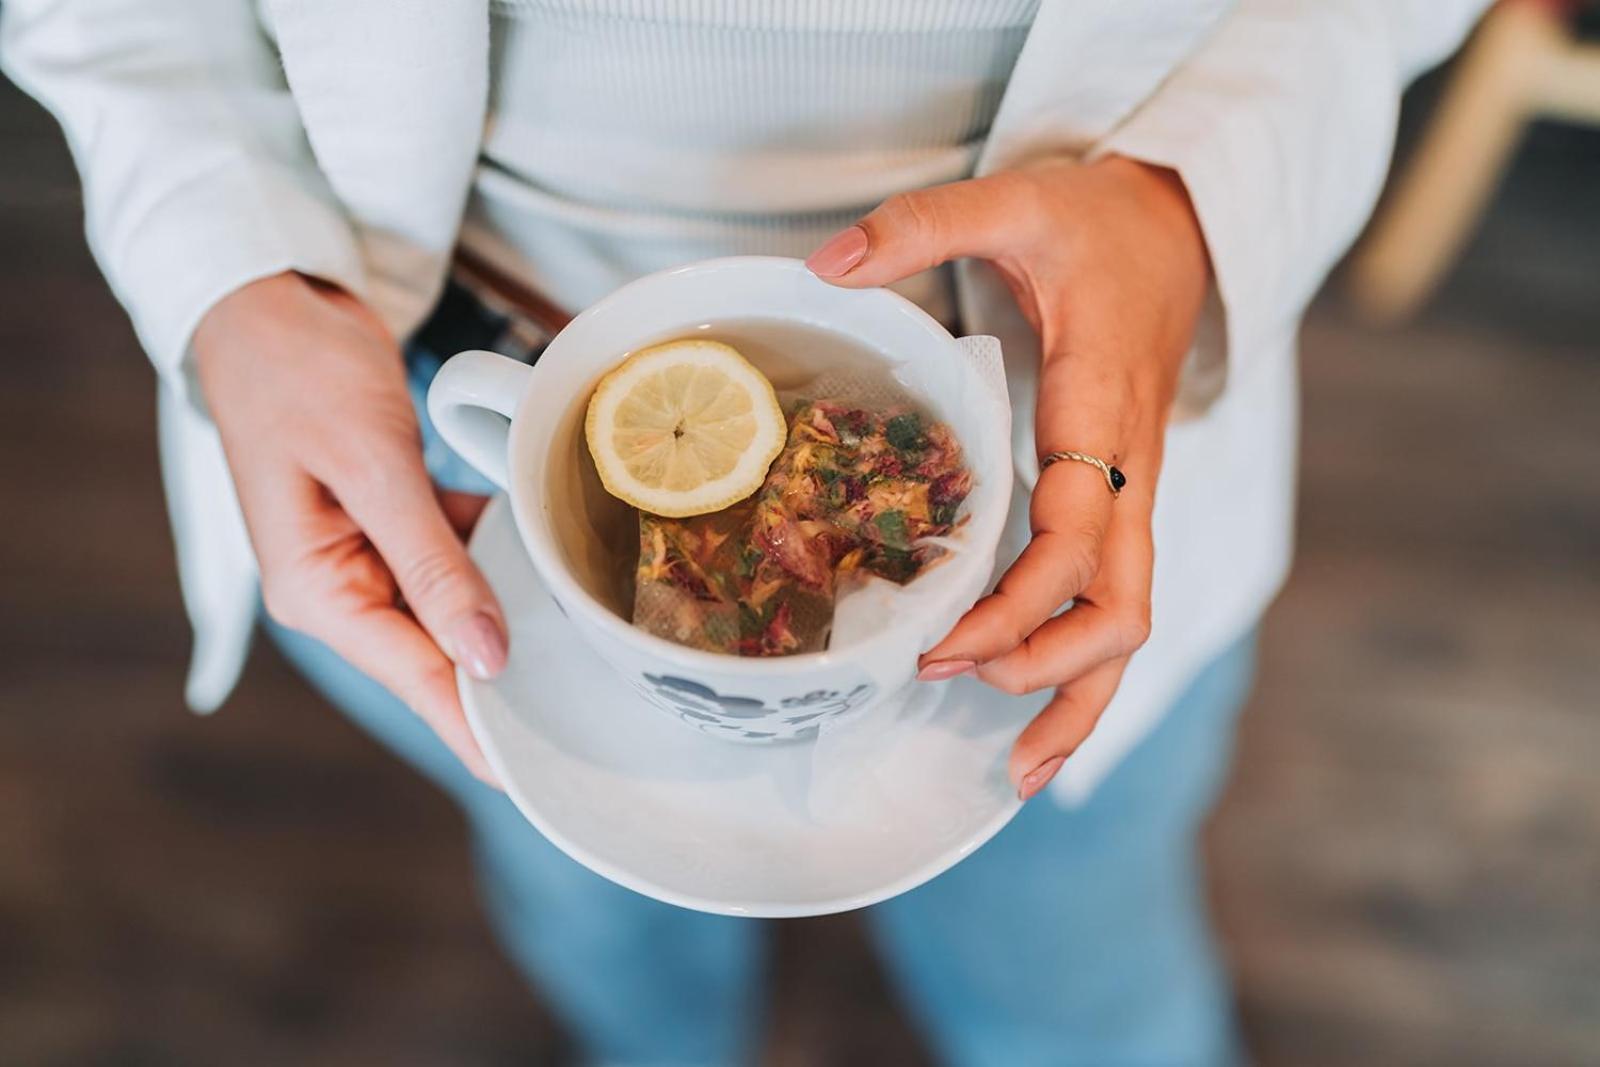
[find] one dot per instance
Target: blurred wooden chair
(1524, 63)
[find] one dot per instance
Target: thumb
(441, 585)
(913, 231)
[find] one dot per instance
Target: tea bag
(707, 582)
(864, 487)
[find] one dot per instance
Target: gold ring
(1114, 478)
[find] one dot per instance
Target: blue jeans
(1074, 937)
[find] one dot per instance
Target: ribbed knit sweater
(630, 135)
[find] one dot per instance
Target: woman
(275, 195)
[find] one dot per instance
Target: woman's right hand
(309, 392)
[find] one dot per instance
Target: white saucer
(870, 809)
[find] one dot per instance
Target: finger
(462, 510)
(388, 646)
(1069, 513)
(1058, 730)
(397, 510)
(913, 231)
(321, 577)
(1112, 621)
(1065, 647)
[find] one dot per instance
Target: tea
(600, 536)
(856, 491)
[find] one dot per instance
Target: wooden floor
(1407, 864)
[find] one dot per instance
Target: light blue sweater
(630, 135)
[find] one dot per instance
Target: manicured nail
(1039, 777)
(487, 776)
(479, 645)
(945, 669)
(842, 252)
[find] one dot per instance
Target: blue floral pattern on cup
(750, 718)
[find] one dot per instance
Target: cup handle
(471, 402)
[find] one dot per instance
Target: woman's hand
(309, 393)
(1107, 262)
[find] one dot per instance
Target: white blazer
(220, 141)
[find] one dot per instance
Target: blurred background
(1406, 865)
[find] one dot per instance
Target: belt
(483, 307)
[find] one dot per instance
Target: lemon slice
(684, 428)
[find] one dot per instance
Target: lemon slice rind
(730, 399)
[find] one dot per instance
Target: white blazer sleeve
(196, 173)
(1281, 125)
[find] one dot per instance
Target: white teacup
(574, 531)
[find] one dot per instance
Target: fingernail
(488, 777)
(1039, 777)
(946, 669)
(842, 252)
(479, 646)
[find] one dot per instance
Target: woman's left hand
(1107, 262)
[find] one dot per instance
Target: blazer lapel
(393, 95)
(1084, 68)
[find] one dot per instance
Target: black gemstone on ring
(1117, 480)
